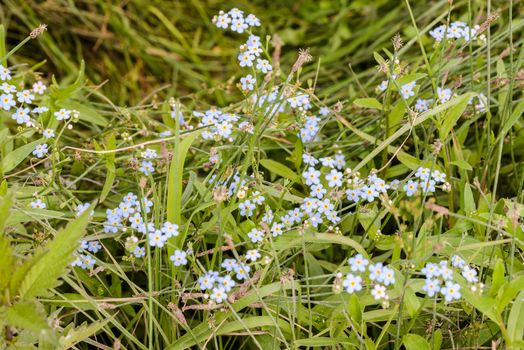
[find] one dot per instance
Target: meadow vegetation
(262, 175)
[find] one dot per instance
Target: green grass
(125, 65)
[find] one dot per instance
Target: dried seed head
(277, 44)
(487, 22)
(303, 57)
(38, 30)
(338, 107)
(220, 194)
(397, 42)
(436, 147)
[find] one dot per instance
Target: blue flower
(146, 167)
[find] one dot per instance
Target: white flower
(157, 239)
(218, 295)
(179, 258)
(263, 65)
(38, 204)
(451, 291)
(248, 82)
(256, 235)
(7, 101)
(246, 59)
(444, 95)
(352, 283)
(276, 230)
(358, 263)
(379, 292)
(63, 114)
(5, 74)
(40, 150)
(334, 178)
(226, 282)
(252, 20)
(170, 230)
(406, 90)
(431, 287)
(146, 167)
(48, 133)
(253, 255)
(470, 274)
(242, 271)
(7, 88)
(238, 25)
(25, 96)
(222, 21)
(39, 87)
(388, 276)
(21, 115)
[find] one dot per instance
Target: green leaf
(282, 244)
(453, 114)
(516, 319)
(29, 214)
(355, 310)
(411, 301)
(437, 339)
(5, 209)
(324, 341)
(469, 201)
(17, 156)
(61, 93)
(395, 117)
(461, 164)
(409, 126)
(369, 102)
(408, 78)
(110, 165)
(497, 279)
(517, 113)
(200, 333)
(280, 169)
(174, 183)
(3, 51)
(508, 291)
(52, 262)
(415, 342)
(408, 160)
(78, 334)
(27, 315)
(6, 264)
(87, 113)
(484, 304)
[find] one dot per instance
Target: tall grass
(131, 69)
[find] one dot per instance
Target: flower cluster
(439, 278)
(28, 108)
(364, 272)
(235, 20)
(218, 285)
(146, 166)
(456, 30)
(219, 125)
(426, 181)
